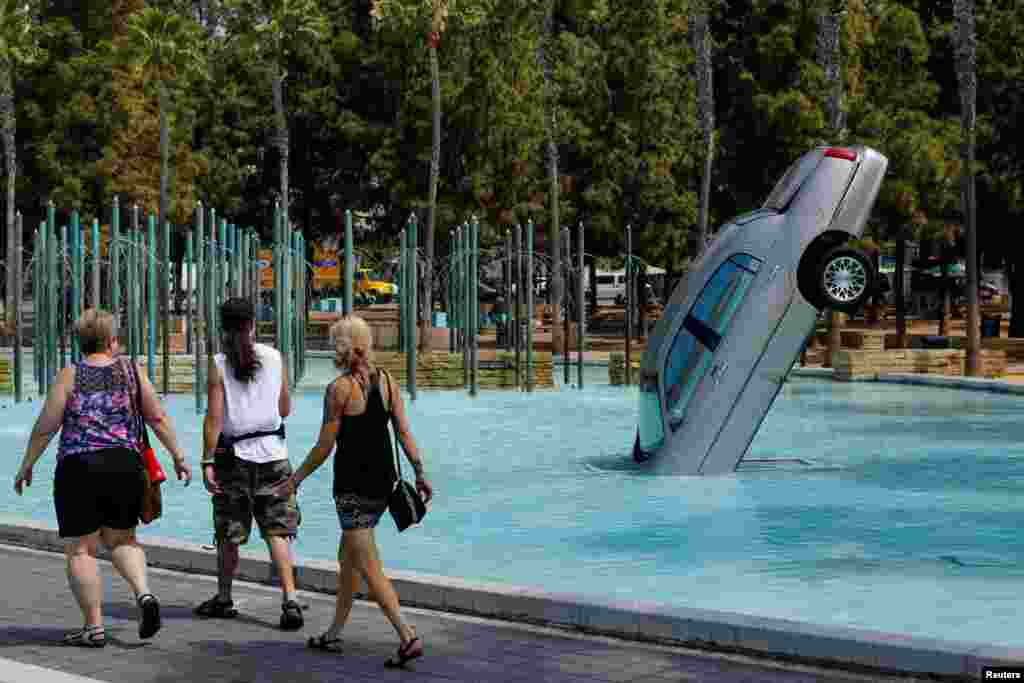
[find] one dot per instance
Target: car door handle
(718, 370)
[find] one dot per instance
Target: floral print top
(99, 413)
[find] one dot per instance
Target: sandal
(214, 608)
(149, 623)
(325, 643)
(291, 616)
(89, 636)
(406, 653)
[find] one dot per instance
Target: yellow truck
(372, 289)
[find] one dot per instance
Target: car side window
(702, 331)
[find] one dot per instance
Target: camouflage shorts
(248, 492)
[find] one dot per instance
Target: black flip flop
(324, 644)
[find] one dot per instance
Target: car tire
(844, 279)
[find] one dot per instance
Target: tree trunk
(7, 132)
(427, 278)
(281, 139)
(897, 286)
(554, 229)
(967, 78)
(828, 57)
(706, 115)
(165, 256)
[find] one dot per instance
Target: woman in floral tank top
(97, 487)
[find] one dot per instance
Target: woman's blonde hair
(96, 330)
(343, 335)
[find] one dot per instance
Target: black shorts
(97, 489)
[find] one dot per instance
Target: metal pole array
(75, 279)
(464, 308)
(113, 248)
(403, 293)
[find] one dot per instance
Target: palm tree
(17, 47)
(829, 23)
(544, 57)
(701, 37)
(168, 44)
(965, 41)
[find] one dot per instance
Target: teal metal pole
(75, 279)
(221, 291)
(38, 308)
(189, 289)
(51, 300)
(475, 387)
(131, 282)
(350, 263)
(450, 298)
(200, 318)
(114, 256)
(61, 286)
(529, 306)
(403, 261)
(165, 300)
(96, 261)
(467, 317)
(151, 311)
(278, 318)
(18, 262)
(581, 323)
(413, 340)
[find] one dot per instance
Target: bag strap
(391, 420)
(232, 440)
(137, 404)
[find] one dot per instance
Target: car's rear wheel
(844, 279)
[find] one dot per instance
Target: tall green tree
(965, 38)
(270, 32)
(17, 47)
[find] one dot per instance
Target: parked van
(611, 286)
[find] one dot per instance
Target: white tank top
(253, 407)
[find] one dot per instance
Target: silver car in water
(737, 322)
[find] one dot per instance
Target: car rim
(846, 278)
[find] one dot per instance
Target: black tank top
(364, 462)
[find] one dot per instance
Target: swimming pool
(907, 519)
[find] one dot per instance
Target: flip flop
(215, 609)
(324, 644)
(406, 653)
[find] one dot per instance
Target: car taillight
(841, 153)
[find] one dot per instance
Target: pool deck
(473, 631)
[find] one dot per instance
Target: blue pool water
(908, 519)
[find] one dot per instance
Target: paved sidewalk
(38, 609)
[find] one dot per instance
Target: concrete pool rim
(833, 646)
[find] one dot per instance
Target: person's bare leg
(281, 555)
(227, 568)
(348, 586)
(84, 577)
(127, 557)
(368, 560)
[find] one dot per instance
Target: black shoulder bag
(405, 504)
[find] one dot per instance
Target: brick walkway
(38, 609)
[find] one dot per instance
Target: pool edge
(848, 648)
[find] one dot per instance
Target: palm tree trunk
(967, 77)
(7, 131)
(554, 228)
(706, 114)
(946, 308)
(427, 306)
(165, 257)
(828, 56)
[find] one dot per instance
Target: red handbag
(151, 506)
